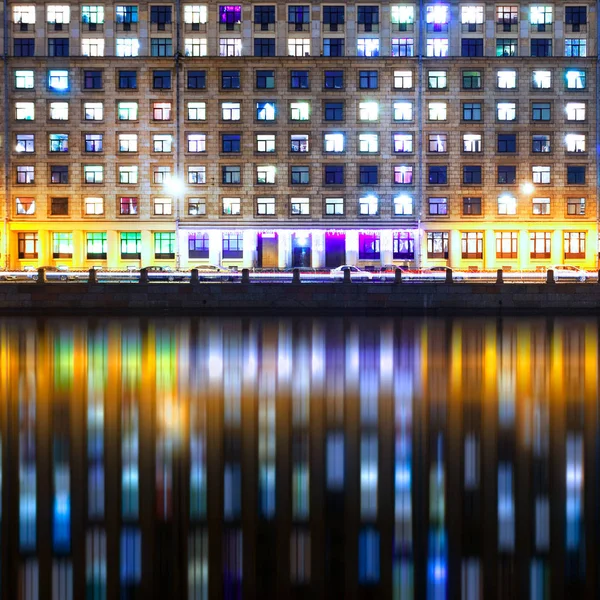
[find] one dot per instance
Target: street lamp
(528, 188)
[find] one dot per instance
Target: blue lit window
(131, 557)
(368, 557)
(265, 111)
(58, 80)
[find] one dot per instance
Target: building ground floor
(457, 245)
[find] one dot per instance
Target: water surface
(299, 458)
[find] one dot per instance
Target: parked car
(165, 273)
(439, 273)
(569, 273)
(60, 273)
(355, 273)
(215, 272)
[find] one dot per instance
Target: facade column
(386, 244)
(489, 249)
(284, 248)
(147, 250)
(318, 248)
(556, 247)
(113, 249)
(182, 249)
(351, 247)
(250, 240)
(215, 246)
(523, 249)
(454, 251)
(79, 250)
(44, 247)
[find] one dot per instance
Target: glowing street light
(527, 188)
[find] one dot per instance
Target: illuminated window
(161, 111)
(195, 47)
(542, 79)
(265, 143)
(437, 244)
(299, 175)
(24, 111)
(576, 47)
(403, 47)
(368, 205)
(198, 248)
(541, 16)
(128, 174)
(58, 80)
(299, 206)
(402, 17)
(368, 111)
(130, 245)
(127, 15)
(574, 247)
(367, 47)
(230, 111)
(506, 244)
(437, 47)
(471, 15)
(575, 142)
(403, 111)
(127, 111)
(575, 111)
(62, 247)
(507, 18)
(539, 243)
(265, 174)
(576, 206)
(540, 206)
(196, 175)
(403, 205)
(471, 245)
(231, 175)
(128, 142)
(57, 14)
(93, 111)
(403, 174)
(265, 206)
(438, 142)
(25, 206)
(230, 47)
(507, 80)
(437, 111)
(196, 111)
(265, 111)
(163, 206)
(94, 206)
(92, 15)
(506, 111)
(59, 142)
(540, 143)
(437, 18)
(438, 206)
(24, 80)
(368, 142)
(162, 143)
(299, 111)
(92, 47)
(25, 174)
(59, 111)
(127, 47)
(437, 80)
(507, 205)
(334, 142)
(402, 142)
(334, 206)
(575, 79)
(471, 142)
(299, 47)
(93, 173)
(298, 143)
(161, 175)
(24, 15)
(231, 206)
(506, 47)
(403, 80)
(195, 14)
(540, 174)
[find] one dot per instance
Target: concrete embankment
(289, 298)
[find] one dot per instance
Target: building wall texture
(419, 134)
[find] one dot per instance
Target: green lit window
(96, 245)
(62, 245)
(131, 244)
(164, 244)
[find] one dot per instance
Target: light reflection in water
(230, 458)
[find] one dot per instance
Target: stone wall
(235, 298)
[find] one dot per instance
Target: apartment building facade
(276, 135)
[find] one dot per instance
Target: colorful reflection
(239, 458)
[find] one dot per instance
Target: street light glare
(175, 186)
(527, 188)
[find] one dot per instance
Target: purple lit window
(230, 14)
